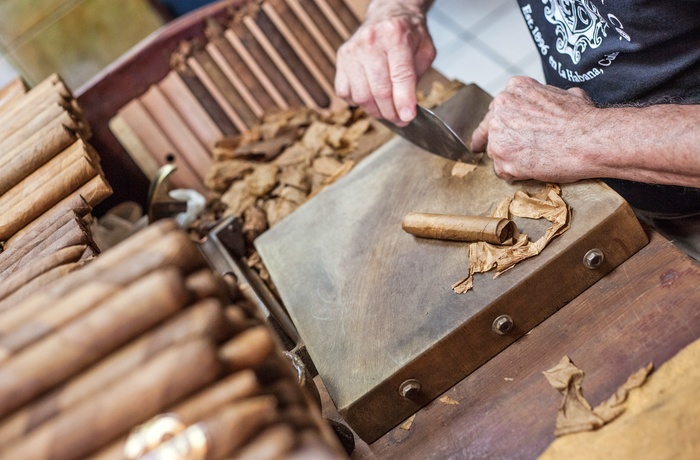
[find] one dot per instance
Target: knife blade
(430, 133)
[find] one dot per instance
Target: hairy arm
(378, 67)
(533, 131)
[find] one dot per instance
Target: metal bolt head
(502, 325)
(593, 258)
(409, 389)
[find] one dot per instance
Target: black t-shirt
(624, 52)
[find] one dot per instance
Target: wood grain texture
(644, 310)
(373, 304)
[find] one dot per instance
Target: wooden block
(374, 305)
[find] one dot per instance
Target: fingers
(480, 136)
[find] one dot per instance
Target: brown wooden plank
(142, 127)
(267, 66)
(305, 37)
(322, 22)
(200, 92)
(285, 59)
(333, 18)
(362, 271)
(240, 69)
(345, 14)
(179, 133)
(190, 109)
(312, 28)
(643, 311)
(230, 100)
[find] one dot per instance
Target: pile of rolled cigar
(50, 179)
(145, 350)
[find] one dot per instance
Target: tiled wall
(75, 38)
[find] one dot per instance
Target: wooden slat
(237, 83)
(202, 94)
(323, 82)
(333, 18)
(230, 100)
(304, 38)
(312, 28)
(173, 126)
(265, 38)
(190, 109)
(258, 73)
(265, 63)
(146, 130)
(238, 66)
(344, 13)
(322, 22)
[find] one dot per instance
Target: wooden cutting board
(374, 305)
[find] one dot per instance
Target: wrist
(379, 10)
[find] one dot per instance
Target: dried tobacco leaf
(223, 173)
(295, 176)
(292, 194)
(254, 222)
(326, 165)
(277, 209)
(237, 198)
(294, 154)
(262, 179)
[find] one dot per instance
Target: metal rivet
(593, 259)
(502, 325)
(409, 389)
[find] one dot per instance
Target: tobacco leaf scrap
(575, 413)
(547, 204)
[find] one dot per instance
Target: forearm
(382, 9)
(657, 144)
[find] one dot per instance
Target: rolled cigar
(236, 387)
(35, 284)
(73, 204)
(204, 319)
(224, 432)
(63, 256)
(119, 266)
(32, 122)
(272, 443)
(133, 399)
(205, 283)
(33, 201)
(90, 337)
(13, 255)
(248, 349)
(71, 233)
(459, 228)
(11, 90)
(35, 150)
(51, 90)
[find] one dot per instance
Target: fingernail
(406, 114)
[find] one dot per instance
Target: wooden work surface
(646, 310)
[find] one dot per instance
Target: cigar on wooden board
(15, 88)
(170, 375)
(82, 342)
(247, 349)
(204, 319)
(51, 90)
(272, 443)
(459, 228)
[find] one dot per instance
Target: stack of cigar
(50, 178)
(144, 349)
(271, 56)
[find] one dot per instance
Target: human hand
(534, 131)
(378, 67)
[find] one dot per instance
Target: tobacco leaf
(326, 165)
(254, 222)
(262, 179)
(237, 198)
(223, 173)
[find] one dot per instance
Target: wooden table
(645, 310)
